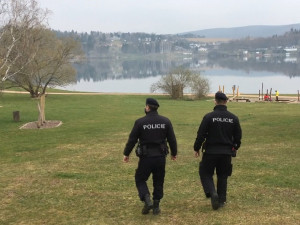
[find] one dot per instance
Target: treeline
(98, 43)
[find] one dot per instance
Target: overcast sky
(167, 16)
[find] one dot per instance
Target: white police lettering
(222, 120)
(154, 126)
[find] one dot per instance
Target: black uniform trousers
(223, 166)
(146, 166)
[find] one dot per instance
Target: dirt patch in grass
(48, 124)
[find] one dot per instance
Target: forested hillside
(98, 44)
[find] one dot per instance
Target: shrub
(180, 79)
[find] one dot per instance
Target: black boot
(148, 204)
(207, 195)
(156, 209)
(215, 200)
(222, 204)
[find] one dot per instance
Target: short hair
(221, 101)
(153, 107)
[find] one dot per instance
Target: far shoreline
(284, 95)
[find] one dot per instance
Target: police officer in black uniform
(219, 135)
(153, 132)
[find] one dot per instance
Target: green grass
(49, 90)
(74, 174)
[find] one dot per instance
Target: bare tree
(18, 18)
(51, 65)
(31, 56)
(180, 79)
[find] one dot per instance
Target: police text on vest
(222, 120)
(154, 126)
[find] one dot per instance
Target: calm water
(138, 76)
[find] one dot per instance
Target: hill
(247, 31)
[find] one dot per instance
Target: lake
(137, 76)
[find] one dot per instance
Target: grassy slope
(74, 174)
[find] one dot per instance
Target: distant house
(202, 49)
(291, 49)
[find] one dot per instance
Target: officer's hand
(196, 154)
(126, 159)
(173, 157)
(233, 153)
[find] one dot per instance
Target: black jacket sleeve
(237, 135)
(172, 140)
(201, 134)
(132, 140)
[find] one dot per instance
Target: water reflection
(124, 75)
(104, 69)
(286, 66)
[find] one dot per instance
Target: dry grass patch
(47, 125)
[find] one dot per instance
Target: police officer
(219, 135)
(153, 132)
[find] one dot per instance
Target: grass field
(74, 174)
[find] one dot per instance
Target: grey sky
(167, 16)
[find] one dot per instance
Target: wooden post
(258, 94)
(262, 91)
(237, 92)
(233, 91)
(16, 116)
(219, 88)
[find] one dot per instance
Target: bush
(199, 86)
(180, 79)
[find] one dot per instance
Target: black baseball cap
(152, 101)
(221, 96)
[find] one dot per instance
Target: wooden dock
(241, 99)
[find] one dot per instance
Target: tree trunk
(177, 91)
(41, 108)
